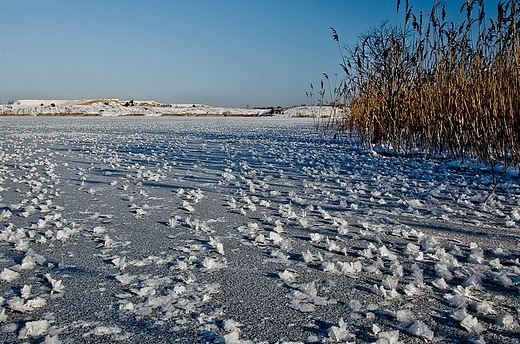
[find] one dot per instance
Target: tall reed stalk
(434, 85)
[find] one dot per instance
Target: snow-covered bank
(230, 230)
(116, 107)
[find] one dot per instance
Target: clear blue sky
(218, 52)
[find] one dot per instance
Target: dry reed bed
(434, 85)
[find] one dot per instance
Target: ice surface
(255, 230)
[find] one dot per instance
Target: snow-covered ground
(234, 230)
(116, 107)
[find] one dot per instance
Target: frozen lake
(246, 230)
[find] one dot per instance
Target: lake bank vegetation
(433, 85)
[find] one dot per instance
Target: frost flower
(125, 279)
(308, 257)
(57, 286)
(26, 291)
(8, 275)
(391, 337)
(217, 245)
(421, 330)
(471, 324)
(172, 222)
(340, 333)
(210, 264)
(440, 283)
(484, 307)
(506, 320)
(34, 329)
(503, 280)
(287, 276)
(233, 338)
(31, 259)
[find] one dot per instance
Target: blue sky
(217, 52)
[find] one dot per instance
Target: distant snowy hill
(117, 107)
